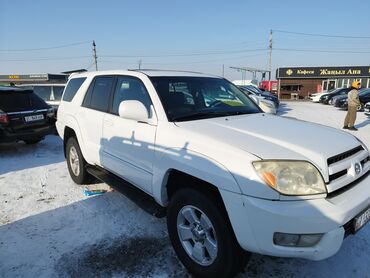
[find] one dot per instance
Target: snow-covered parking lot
(48, 228)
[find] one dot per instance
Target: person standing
(353, 103)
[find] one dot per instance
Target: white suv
(232, 178)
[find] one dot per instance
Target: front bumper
(256, 220)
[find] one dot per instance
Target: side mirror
(134, 110)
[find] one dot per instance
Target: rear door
(91, 115)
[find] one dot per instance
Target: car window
(130, 88)
(98, 97)
(72, 88)
(43, 92)
(58, 92)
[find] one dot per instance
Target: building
(300, 82)
(45, 78)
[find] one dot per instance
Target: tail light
(4, 119)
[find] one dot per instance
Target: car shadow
(364, 123)
(283, 109)
(20, 156)
(96, 237)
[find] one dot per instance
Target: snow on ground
(48, 228)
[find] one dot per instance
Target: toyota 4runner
(232, 179)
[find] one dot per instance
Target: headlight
(291, 177)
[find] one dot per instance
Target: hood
(275, 137)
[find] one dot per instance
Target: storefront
(46, 78)
(294, 82)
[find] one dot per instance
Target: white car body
(316, 97)
(220, 151)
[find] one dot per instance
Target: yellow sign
(289, 72)
(13, 76)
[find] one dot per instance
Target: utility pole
(94, 56)
(270, 58)
(139, 64)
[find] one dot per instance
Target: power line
(188, 62)
(45, 48)
(43, 59)
(322, 51)
(321, 35)
(184, 54)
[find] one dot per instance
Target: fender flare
(192, 163)
(72, 123)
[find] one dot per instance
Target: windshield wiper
(204, 115)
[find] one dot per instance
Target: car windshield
(192, 98)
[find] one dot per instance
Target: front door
(128, 145)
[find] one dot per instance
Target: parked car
(367, 109)
(50, 93)
(24, 116)
(266, 95)
(339, 100)
(364, 96)
(316, 96)
(233, 180)
(327, 97)
(265, 104)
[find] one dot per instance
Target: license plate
(361, 219)
(34, 118)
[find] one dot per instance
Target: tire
(222, 255)
(76, 163)
(33, 141)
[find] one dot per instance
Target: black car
(364, 96)
(263, 94)
(24, 116)
(327, 97)
(338, 100)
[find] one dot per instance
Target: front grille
(347, 187)
(363, 162)
(337, 175)
(344, 155)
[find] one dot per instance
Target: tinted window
(58, 92)
(130, 88)
(72, 88)
(43, 92)
(191, 98)
(100, 93)
(13, 101)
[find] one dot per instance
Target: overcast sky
(42, 36)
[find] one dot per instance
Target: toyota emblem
(358, 168)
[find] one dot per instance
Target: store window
(291, 88)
